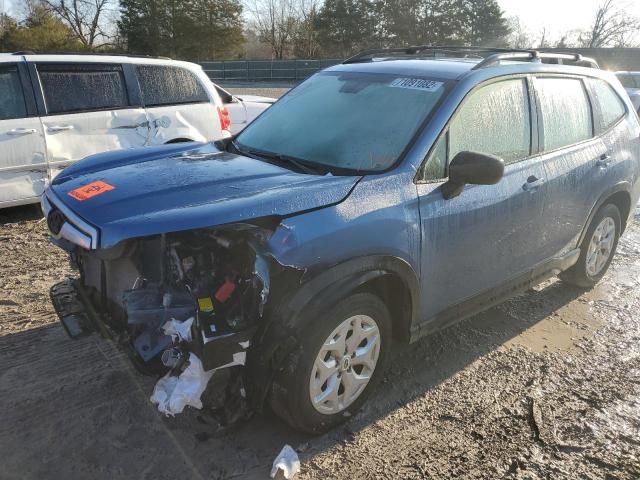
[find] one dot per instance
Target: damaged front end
(183, 305)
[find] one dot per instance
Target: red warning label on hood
(91, 190)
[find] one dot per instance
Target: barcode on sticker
(416, 84)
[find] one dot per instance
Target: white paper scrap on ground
(178, 330)
(172, 394)
(288, 462)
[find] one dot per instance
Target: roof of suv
(80, 58)
(454, 68)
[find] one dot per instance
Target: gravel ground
(546, 385)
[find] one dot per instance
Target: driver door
(489, 234)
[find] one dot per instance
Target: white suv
(57, 109)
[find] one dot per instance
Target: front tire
(597, 248)
(340, 360)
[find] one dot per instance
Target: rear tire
(597, 248)
(340, 360)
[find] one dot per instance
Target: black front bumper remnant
(71, 309)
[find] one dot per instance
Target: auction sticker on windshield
(91, 190)
(416, 84)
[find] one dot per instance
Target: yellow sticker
(205, 304)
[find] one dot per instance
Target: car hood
(150, 191)
(256, 99)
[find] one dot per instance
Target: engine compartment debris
(287, 462)
(184, 305)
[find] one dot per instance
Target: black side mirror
(472, 168)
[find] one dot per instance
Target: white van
(58, 109)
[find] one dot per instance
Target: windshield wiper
(299, 164)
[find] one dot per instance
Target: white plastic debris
(178, 330)
(173, 394)
(288, 462)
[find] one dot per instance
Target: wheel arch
(620, 196)
(297, 298)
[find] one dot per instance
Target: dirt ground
(546, 385)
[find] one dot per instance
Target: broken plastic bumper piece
(71, 310)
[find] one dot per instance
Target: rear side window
(11, 96)
(494, 120)
(81, 88)
(566, 113)
(162, 85)
(609, 103)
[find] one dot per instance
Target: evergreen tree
(483, 23)
(346, 26)
(190, 29)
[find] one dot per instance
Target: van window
(11, 96)
(162, 85)
(82, 87)
(611, 107)
(494, 120)
(566, 113)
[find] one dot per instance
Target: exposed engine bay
(183, 305)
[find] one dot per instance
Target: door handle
(133, 127)
(22, 131)
(533, 183)
(60, 128)
(604, 161)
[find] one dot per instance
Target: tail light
(225, 119)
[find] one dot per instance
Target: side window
(435, 167)
(162, 85)
(82, 87)
(566, 113)
(11, 96)
(610, 105)
(495, 120)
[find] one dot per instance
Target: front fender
(296, 300)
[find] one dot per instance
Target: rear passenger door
(489, 234)
(87, 110)
(178, 105)
(23, 160)
(572, 156)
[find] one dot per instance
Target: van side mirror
(472, 168)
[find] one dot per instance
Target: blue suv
(382, 199)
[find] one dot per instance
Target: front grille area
(55, 221)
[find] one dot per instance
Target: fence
(264, 70)
(292, 71)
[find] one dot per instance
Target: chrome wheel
(345, 364)
(601, 246)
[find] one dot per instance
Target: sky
(557, 16)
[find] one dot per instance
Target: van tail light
(225, 119)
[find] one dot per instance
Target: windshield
(629, 80)
(352, 121)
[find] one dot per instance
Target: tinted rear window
(566, 112)
(11, 97)
(169, 86)
(79, 88)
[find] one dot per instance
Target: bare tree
(520, 37)
(611, 27)
(89, 20)
(276, 22)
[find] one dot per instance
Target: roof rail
(536, 56)
(491, 57)
(367, 55)
(97, 54)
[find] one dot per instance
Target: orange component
(226, 290)
(91, 190)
